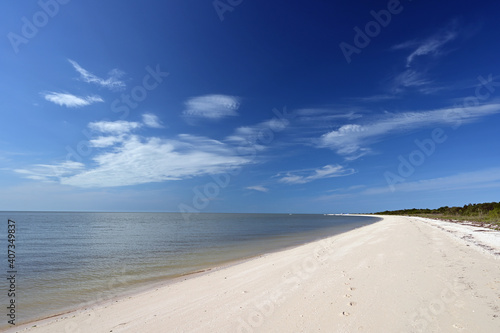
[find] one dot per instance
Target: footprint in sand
(348, 295)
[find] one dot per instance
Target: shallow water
(66, 260)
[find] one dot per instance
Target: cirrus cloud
(112, 83)
(114, 127)
(309, 175)
(70, 100)
(151, 120)
(352, 140)
(212, 106)
(258, 188)
(124, 158)
(147, 160)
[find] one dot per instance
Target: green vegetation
(480, 213)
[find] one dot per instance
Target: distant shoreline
(483, 214)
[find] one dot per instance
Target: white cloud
(416, 77)
(112, 82)
(257, 188)
(259, 136)
(116, 131)
(316, 117)
(306, 176)
(128, 159)
(71, 101)
(44, 172)
(139, 161)
(106, 141)
(410, 78)
(430, 46)
(347, 139)
(212, 106)
(114, 127)
(351, 140)
(151, 120)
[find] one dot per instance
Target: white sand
(398, 275)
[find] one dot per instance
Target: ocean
(67, 260)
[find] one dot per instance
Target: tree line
(487, 211)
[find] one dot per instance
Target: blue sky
(248, 106)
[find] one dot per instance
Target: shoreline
(227, 297)
(139, 288)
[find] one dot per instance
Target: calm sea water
(67, 260)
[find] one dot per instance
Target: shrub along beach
(483, 214)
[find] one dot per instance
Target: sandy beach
(398, 275)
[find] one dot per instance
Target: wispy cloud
(352, 140)
(473, 180)
(106, 141)
(69, 100)
(151, 120)
(324, 117)
(113, 82)
(125, 158)
(410, 78)
(258, 136)
(146, 160)
(306, 176)
(45, 172)
(462, 181)
(415, 76)
(212, 106)
(258, 188)
(114, 132)
(431, 45)
(375, 98)
(114, 127)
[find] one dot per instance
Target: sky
(248, 106)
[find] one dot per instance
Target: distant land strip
(482, 214)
